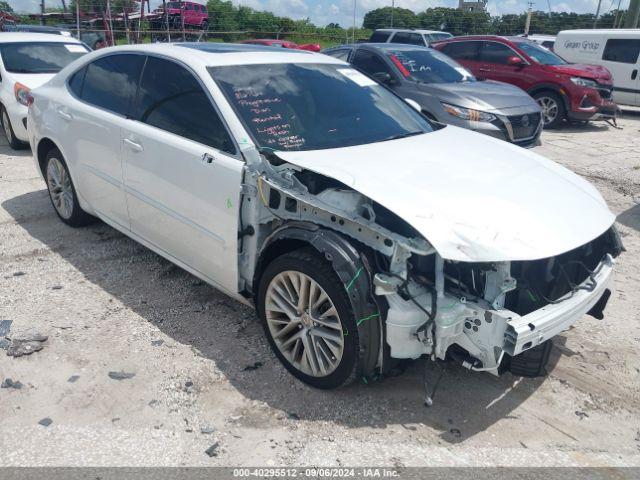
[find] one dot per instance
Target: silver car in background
(447, 92)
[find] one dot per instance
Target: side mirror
(414, 104)
(515, 61)
(382, 77)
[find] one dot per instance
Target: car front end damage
(409, 301)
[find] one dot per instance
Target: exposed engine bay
(480, 314)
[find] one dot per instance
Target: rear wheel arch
(44, 147)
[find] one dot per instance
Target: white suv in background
(28, 60)
(618, 50)
(408, 36)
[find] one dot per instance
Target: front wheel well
(271, 252)
(44, 147)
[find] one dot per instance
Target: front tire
(308, 320)
(62, 193)
(553, 111)
(8, 131)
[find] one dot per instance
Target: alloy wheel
(60, 189)
(550, 109)
(304, 323)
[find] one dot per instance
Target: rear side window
(341, 54)
(408, 38)
(370, 63)
(172, 99)
(111, 82)
(622, 50)
(76, 81)
(379, 37)
(494, 52)
(462, 50)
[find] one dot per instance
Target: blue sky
(322, 12)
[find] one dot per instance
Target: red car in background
(195, 14)
(565, 91)
(312, 47)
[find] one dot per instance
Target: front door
(182, 175)
(494, 57)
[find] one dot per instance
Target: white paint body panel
(181, 204)
(474, 198)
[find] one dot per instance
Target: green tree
(381, 18)
(5, 7)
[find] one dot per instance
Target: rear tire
(317, 346)
(8, 131)
(553, 111)
(62, 192)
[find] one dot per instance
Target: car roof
(608, 31)
(381, 46)
(209, 54)
(498, 38)
(416, 30)
(18, 37)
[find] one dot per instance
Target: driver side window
(170, 98)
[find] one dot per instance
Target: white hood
(473, 197)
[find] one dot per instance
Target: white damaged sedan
(361, 232)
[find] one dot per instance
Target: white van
(618, 50)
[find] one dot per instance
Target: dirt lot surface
(110, 305)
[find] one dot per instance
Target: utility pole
(595, 20)
(78, 18)
(615, 20)
(393, 7)
(42, 12)
(528, 22)
(354, 21)
(166, 19)
(631, 20)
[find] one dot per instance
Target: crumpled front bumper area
(525, 332)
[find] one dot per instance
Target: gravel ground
(110, 305)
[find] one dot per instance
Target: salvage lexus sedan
(361, 232)
(447, 92)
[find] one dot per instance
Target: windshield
(540, 54)
(429, 66)
(315, 106)
(39, 57)
(435, 37)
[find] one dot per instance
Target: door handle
(136, 147)
(207, 158)
(484, 69)
(634, 74)
(65, 115)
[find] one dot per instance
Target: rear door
(466, 53)
(182, 173)
(622, 57)
(104, 91)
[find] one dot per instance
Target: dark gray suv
(446, 91)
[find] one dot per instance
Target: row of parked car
(363, 232)
(525, 86)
